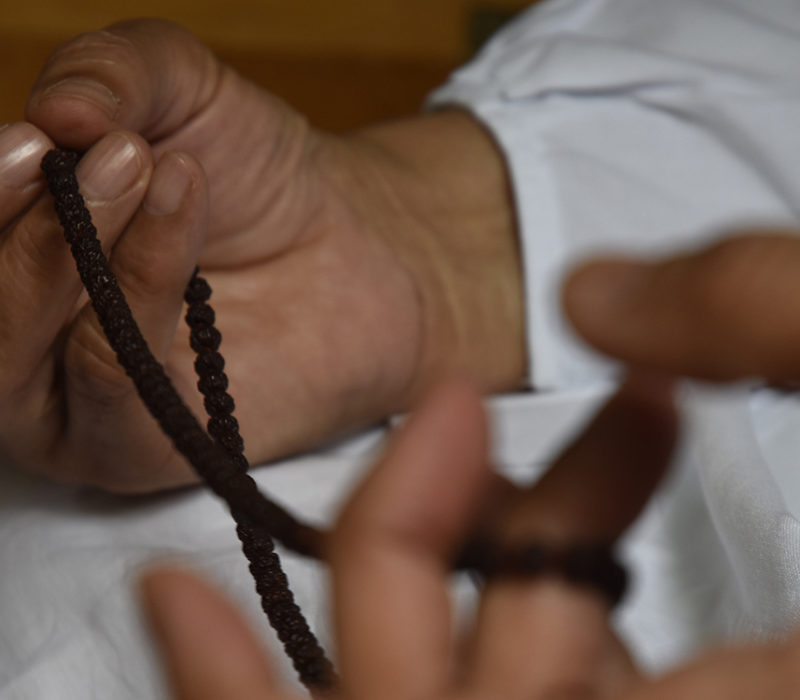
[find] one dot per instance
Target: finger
(747, 673)
(38, 283)
(726, 312)
(152, 261)
(147, 76)
(601, 482)
(543, 638)
(22, 147)
(208, 650)
(392, 546)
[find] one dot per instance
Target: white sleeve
(635, 125)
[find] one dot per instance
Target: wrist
(444, 202)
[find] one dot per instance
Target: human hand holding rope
(347, 269)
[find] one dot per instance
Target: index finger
(392, 549)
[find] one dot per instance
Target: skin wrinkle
(285, 156)
(337, 182)
(430, 321)
(205, 104)
(458, 263)
(284, 202)
(208, 88)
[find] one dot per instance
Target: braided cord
(277, 600)
(224, 474)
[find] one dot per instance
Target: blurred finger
(746, 673)
(148, 76)
(393, 544)
(726, 312)
(208, 651)
(153, 261)
(543, 638)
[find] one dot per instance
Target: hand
(537, 639)
(346, 270)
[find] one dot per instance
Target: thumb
(147, 76)
(726, 312)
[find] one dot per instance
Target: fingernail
(21, 149)
(86, 90)
(168, 187)
(109, 169)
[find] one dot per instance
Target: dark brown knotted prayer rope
(255, 515)
(257, 544)
(588, 565)
(221, 464)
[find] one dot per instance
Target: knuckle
(100, 48)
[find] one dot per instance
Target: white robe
(651, 126)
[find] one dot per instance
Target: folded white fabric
(636, 126)
(645, 127)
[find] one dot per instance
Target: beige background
(343, 62)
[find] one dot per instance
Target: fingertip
(595, 293)
(602, 481)
(168, 594)
(176, 177)
(74, 111)
(453, 406)
(208, 650)
(22, 147)
(426, 486)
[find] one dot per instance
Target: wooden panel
(405, 28)
(336, 93)
(343, 93)
(26, 55)
(342, 62)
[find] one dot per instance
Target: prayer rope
(220, 464)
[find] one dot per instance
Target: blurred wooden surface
(343, 62)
